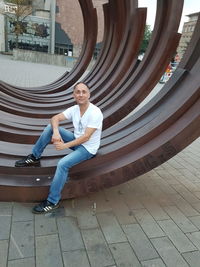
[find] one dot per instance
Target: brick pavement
(153, 220)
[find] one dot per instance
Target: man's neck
(83, 108)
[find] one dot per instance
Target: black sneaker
(45, 207)
(28, 161)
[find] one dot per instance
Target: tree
(19, 10)
(146, 39)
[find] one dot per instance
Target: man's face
(81, 94)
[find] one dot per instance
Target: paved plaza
(150, 221)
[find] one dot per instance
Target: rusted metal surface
(133, 84)
(156, 132)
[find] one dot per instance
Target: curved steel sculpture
(130, 147)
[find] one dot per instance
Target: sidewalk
(150, 221)
(26, 74)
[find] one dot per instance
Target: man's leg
(37, 150)
(45, 139)
(34, 158)
(42, 142)
(61, 175)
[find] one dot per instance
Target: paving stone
(197, 194)
(99, 199)
(28, 262)
(195, 238)
(173, 172)
(139, 188)
(184, 206)
(148, 224)
(129, 198)
(172, 162)
(48, 252)
(111, 228)
(160, 196)
(186, 194)
(97, 249)
(151, 181)
(3, 252)
(69, 233)
(147, 177)
(6, 208)
(160, 167)
(86, 219)
(165, 187)
(187, 173)
(192, 258)
(139, 242)
(169, 178)
(196, 206)
(196, 221)
(69, 207)
(22, 212)
(85, 213)
(45, 225)
(153, 263)
(124, 255)
(119, 207)
(181, 242)
(193, 164)
(76, 258)
(192, 159)
(192, 187)
(168, 252)
(5, 221)
(180, 219)
(21, 240)
(154, 209)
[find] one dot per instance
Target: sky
(190, 6)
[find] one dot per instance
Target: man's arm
(55, 120)
(78, 141)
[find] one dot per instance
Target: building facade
(35, 29)
(187, 32)
(2, 33)
(69, 16)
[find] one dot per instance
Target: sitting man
(87, 121)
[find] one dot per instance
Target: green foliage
(146, 39)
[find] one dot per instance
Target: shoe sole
(43, 212)
(32, 165)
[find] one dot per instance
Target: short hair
(81, 83)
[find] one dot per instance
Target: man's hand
(56, 138)
(60, 145)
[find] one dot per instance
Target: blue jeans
(78, 155)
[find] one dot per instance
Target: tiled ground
(153, 220)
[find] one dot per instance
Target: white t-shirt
(92, 118)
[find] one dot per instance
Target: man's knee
(49, 127)
(62, 165)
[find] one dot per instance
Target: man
(87, 121)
